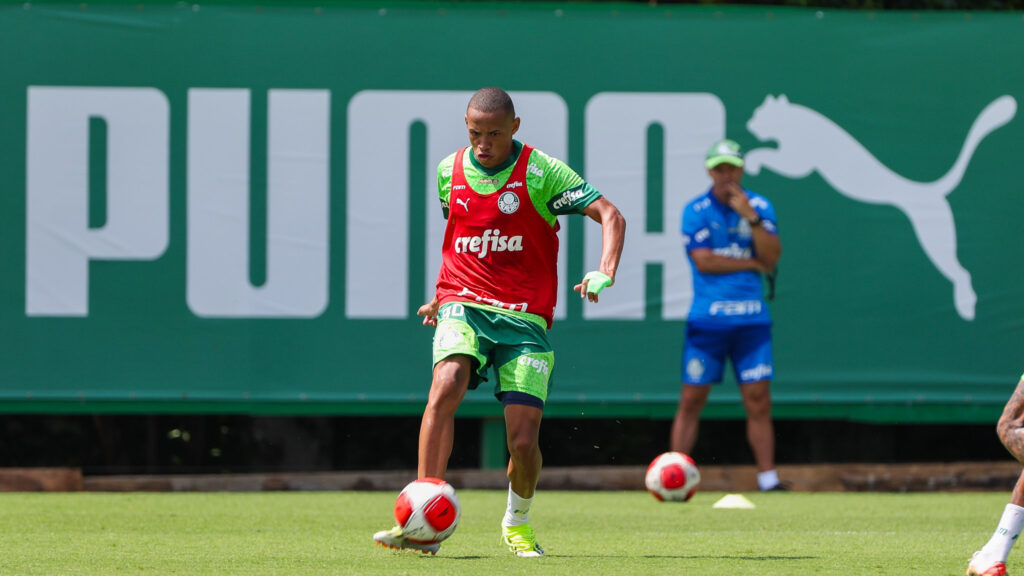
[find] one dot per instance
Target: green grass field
(585, 533)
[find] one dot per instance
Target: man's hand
(429, 312)
(740, 202)
(592, 285)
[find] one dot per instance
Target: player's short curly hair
(491, 100)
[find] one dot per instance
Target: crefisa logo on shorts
(538, 364)
(508, 202)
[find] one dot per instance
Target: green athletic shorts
(516, 346)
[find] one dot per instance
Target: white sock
(767, 480)
(518, 511)
(998, 547)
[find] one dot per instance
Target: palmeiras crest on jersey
(508, 202)
(694, 369)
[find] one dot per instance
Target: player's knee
(522, 445)
(450, 376)
(445, 395)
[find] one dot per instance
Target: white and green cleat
(981, 566)
(395, 540)
(521, 541)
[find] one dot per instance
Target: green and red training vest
(498, 250)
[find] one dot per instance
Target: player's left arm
(563, 191)
(613, 236)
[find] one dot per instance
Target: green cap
(726, 151)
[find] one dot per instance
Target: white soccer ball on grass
(672, 477)
(427, 510)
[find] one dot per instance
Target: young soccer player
(496, 295)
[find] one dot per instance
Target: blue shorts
(706, 350)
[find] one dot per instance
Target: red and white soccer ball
(428, 510)
(672, 477)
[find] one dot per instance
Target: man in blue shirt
(730, 236)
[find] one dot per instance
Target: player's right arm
(429, 312)
(444, 189)
(444, 182)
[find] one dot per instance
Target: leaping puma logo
(464, 202)
(809, 141)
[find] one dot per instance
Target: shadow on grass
(651, 556)
(733, 557)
